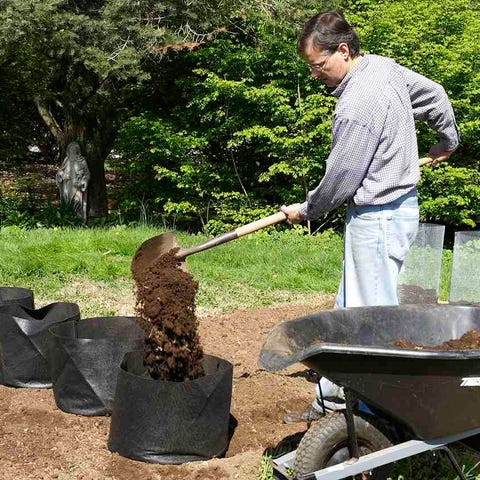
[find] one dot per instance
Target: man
(373, 165)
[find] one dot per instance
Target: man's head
(329, 45)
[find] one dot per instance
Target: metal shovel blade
(151, 250)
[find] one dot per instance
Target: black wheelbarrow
(399, 402)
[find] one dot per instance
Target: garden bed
(39, 441)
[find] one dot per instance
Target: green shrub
(243, 129)
(243, 136)
(450, 195)
(26, 212)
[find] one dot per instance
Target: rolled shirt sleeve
(347, 164)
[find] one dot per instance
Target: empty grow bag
(16, 295)
(85, 357)
(465, 278)
(24, 342)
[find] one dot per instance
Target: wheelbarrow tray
(431, 393)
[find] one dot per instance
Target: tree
(439, 40)
(16, 114)
(85, 64)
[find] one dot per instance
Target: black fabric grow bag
(171, 422)
(24, 342)
(84, 360)
(16, 295)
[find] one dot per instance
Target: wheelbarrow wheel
(326, 444)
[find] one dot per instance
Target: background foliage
(228, 129)
(86, 67)
(249, 130)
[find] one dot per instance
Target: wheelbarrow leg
(352, 435)
(453, 461)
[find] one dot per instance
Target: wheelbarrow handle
(234, 234)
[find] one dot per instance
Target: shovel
(153, 248)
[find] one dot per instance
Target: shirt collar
(359, 66)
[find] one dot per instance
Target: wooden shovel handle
(425, 161)
(259, 224)
(234, 234)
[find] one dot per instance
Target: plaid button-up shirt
(374, 153)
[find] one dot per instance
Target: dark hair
(328, 30)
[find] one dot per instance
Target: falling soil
(413, 294)
(165, 306)
(468, 341)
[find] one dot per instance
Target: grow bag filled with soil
(84, 359)
(166, 422)
(16, 295)
(24, 342)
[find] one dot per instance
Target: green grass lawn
(92, 267)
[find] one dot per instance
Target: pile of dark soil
(468, 341)
(165, 305)
(413, 294)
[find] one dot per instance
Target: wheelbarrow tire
(326, 443)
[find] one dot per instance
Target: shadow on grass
(434, 465)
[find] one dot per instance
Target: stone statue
(72, 180)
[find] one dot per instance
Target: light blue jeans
(376, 242)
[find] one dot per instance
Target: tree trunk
(97, 141)
(97, 189)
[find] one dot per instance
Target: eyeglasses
(318, 67)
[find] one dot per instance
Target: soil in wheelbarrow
(413, 294)
(40, 442)
(166, 310)
(468, 341)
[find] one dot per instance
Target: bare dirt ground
(39, 441)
